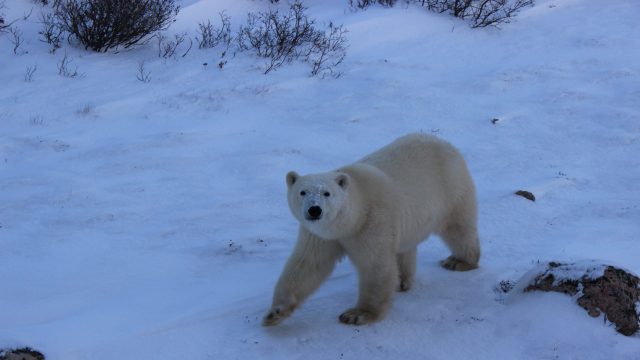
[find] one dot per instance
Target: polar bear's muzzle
(313, 213)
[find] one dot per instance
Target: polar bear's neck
(353, 215)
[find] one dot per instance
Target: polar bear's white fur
(376, 211)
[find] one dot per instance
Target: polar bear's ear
(292, 177)
(343, 181)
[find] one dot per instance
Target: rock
(26, 353)
(526, 194)
(598, 288)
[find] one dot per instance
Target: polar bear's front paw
(357, 316)
(276, 315)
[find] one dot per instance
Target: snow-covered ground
(149, 220)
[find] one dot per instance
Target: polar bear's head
(318, 201)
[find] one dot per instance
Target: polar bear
(376, 211)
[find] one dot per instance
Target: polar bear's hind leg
(406, 269)
(462, 239)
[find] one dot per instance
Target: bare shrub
(16, 40)
(27, 15)
(167, 47)
(55, 3)
(52, 31)
(362, 4)
(64, 67)
(36, 120)
(143, 75)
(28, 75)
(496, 12)
(480, 13)
(101, 25)
(328, 51)
(211, 36)
(277, 37)
(282, 38)
(207, 39)
(4, 25)
(85, 110)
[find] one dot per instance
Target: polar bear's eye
(326, 194)
(303, 193)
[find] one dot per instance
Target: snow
(149, 220)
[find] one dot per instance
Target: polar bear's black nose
(315, 212)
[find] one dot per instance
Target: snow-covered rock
(597, 287)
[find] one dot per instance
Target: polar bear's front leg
(280, 311)
(378, 276)
(312, 261)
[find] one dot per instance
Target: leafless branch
(143, 75)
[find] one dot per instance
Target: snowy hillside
(149, 220)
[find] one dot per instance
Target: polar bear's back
(429, 178)
(419, 158)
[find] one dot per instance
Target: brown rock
(526, 194)
(600, 289)
(21, 354)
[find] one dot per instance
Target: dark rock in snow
(26, 353)
(598, 288)
(526, 194)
